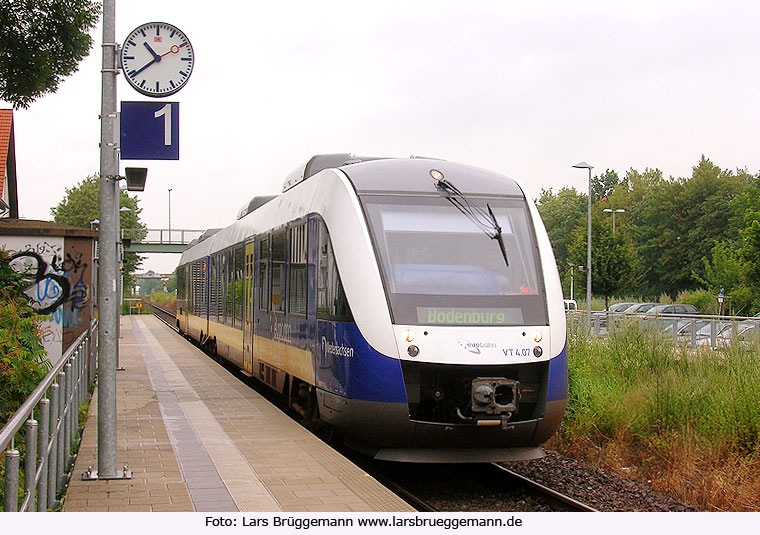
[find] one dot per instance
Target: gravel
(601, 489)
(481, 487)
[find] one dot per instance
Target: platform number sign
(149, 130)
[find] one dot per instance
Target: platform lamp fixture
(135, 178)
(613, 212)
(584, 165)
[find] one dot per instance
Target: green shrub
(22, 358)
(705, 302)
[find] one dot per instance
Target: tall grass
(638, 391)
(637, 382)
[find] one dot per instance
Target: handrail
(68, 384)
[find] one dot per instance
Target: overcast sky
(523, 88)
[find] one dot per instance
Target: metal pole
(588, 259)
(44, 457)
(170, 215)
(30, 463)
(53, 446)
(11, 480)
(107, 294)
(572, 282)
(60, 432)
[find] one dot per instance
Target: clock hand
(141, 69)
(173, 50)
(156, 57)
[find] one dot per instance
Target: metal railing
(49, 440)
(161, 236)
(691, 329)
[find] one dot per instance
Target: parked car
(677, 309)
(668, 317)
(613, 310)
(639, 308)
(570, 304)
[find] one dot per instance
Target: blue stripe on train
(347, 365)
(557, 389)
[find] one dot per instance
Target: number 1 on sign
(166, 111)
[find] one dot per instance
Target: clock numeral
(166, 112)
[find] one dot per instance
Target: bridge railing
(48, 442)
(160, 236)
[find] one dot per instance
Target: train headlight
(436, 174)
(413, 351)
(409, 335)
(538, 336)
(537, 351)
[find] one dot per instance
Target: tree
(603, 185)
(81, 205)
(561, 214)
(42, 42)
(679, 221)
(613, 258)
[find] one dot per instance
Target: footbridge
(158, 240)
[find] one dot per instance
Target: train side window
(331, 299)
(264, 275)
(229, 278)
(238, 301)
(203, 278)
(278, 271)
(297, 271)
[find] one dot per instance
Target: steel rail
(543, 489)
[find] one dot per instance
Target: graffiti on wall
(57, 279)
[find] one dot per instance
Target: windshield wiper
(485, 221)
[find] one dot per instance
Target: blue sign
(149, 131)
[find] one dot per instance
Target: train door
(248, 313)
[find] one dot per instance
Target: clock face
(157, 59)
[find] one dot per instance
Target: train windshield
(440, 268)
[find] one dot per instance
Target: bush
(22, 358)
(702, 299)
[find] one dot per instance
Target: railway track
(503, 480)
(165, 315)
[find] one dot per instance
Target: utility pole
(108, 263)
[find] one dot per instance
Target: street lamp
(584, 165)
(93, 223)
(613, 212)
(170, 215)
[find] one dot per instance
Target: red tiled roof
(6, 121)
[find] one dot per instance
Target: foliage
(700, 231)
(702, 299)
(22, 358)
(613, 259)
(81, 205)
(561, 213)
(635, 382)
(603, 185)
(42, 42)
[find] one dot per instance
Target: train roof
(404, 175)
(367, 175)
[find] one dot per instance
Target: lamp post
(170, 215)
(613, 212)
(584, 165)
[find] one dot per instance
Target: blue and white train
(413, 305)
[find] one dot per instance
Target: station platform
(197, 439)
